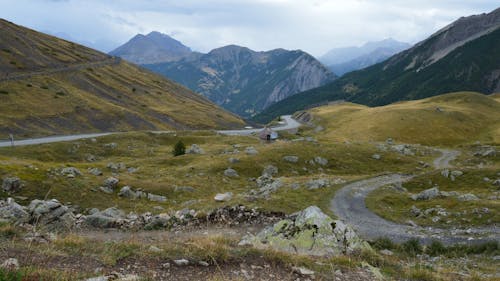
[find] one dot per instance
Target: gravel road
(349, 205)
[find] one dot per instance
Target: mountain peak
(155, 47)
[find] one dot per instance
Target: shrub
(436, 248)
(412, 247)
(179, 149)
(383, 243)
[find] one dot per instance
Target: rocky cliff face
(154, 47)
(245, 81)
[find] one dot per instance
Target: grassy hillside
(73, 89)
(442, 120)
(471, 67)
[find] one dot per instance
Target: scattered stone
(415, 211)
(203, 263)
(154, 249)
(303, 271)
(445, 173)
(318, 183)
(270, 170)
(266, 184)
(111, 183)
(106, 189)
(291, 159)
(12, 184)
(411, 223)
(109, 218)
(127, 192)
(116, 167)
(70, 172)
(309, 232)
(251, 150)
(233, 160)
(194, 149)
(389, 141)
(91, 158)
(320, 160)
(230, 173)
(95, 171)
(386, 252)
(457, 173)
(376, 156)
(184, 189)
(181, 262)
(10, 264)
(467, 197)
(11, 211)
(156, 198)
(223, 197)
(427, 194)
(496, 182)
(112, 145)
(132, 170)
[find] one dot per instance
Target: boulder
(116, 167)
(376, 156)
(496, 182)
(251, 150)
(457, 173)
(427, 194)
(320, 161)
(127, 192)
(266, 184)
(291, 159)
(230, 173)
(70, 172)
(109, 218)
(270, 170)
(223, 197)
(318, 183)
(309, 232)
(12, 184)
(194, 149)
(13, 212)
(51, 215)
(467, 197)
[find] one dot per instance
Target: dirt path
(350, 206)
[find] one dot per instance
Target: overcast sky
(314, 26)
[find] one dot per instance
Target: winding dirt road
(349, 205)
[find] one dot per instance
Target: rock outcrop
(309, 232)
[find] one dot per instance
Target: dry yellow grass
(449, 119)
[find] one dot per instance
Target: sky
(314, 26)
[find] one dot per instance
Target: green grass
(395, 206)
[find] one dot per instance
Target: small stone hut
(268, 134)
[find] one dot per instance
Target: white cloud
(312, 25)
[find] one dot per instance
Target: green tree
(179, 149)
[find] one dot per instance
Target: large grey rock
(427, 194)
(12, 184)
(116, 167)
(230, 173)
(266, 185)
(496, 182)
(223, 197)
(270, 170)
(70, 172)
(309, 232)
(95, 171)
(291, 159)
(317, 183)
(10, 264)
(195, 149)
(109, 218)
(51, 215)
(11, 211)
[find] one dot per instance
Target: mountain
(152, 48)
(52, 86)
(244, 81)
(460, 57)
(343, 60)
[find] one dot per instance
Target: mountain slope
(460, 57)
(244, 81)
(154, 47)
(52, 86)
(464, 117)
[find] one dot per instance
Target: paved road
(350, 206)
(290, 124)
